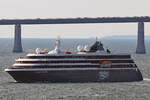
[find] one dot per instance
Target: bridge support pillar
(17, 39)
(140, 40)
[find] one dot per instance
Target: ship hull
(76, 75)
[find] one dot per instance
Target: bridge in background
(18, 22)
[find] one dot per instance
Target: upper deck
(88, 55)
(74, 61)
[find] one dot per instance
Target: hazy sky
(20, 9)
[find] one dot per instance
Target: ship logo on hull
(103, 75)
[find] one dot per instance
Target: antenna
(96, 39)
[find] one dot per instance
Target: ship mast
(57, 43)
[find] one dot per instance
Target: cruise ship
(86, 64)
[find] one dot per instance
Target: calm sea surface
(9, 90)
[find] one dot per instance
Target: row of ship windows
(130, 61)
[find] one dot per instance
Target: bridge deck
(75, 20)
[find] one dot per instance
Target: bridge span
(18, 22)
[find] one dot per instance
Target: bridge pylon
(17, 40)
(140, 39)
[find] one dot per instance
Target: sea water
(10, 90)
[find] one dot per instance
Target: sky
(24, 9)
